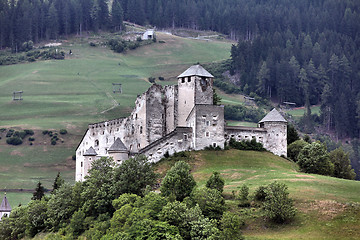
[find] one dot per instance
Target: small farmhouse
(148, 34)
(169, 119)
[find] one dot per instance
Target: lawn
(328, 208)
(74, 92)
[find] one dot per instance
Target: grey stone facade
(171, 119)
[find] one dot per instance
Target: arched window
(96, 143)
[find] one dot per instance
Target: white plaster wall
(276, 138)
(186, 99)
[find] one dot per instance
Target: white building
(170, 119)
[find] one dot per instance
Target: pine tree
(39, 192)
(117, 15)
(58, 182)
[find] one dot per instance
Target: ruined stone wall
(245, 133)
(155, 113)
(186, 99)
(203, 90)
(176, 141)
(133, 129)
(209, 126)
(276, 138)
(171, 104)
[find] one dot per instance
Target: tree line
(36, 20)
(307, 52)
(308, 55)
(116, 202)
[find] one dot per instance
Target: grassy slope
(321, 201)
(74, 92)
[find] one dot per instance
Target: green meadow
(74, 92)
(328, 208)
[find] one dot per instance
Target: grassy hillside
(74, 92)
(328, 208)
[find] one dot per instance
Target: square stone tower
(195, 87)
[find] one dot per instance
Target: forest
(306, 52)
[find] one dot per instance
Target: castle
(171, 119)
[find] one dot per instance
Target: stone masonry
(171, 119)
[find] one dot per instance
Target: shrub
(73, 157)
(161, 41)
(63, 131)
(2, 129)
(45, 132)
(210, 201)
(278, 206)
(151, 79)
(9, 133)
(246, 145)
(161, 78)
(29, 132)
(294, 149)
(138, 39)
(216, 182)
(14, 141)
(260, 193)
(243, 196)
(31, 139)
(92, 44)
(53, 142)
(21, 134)
(314, 158)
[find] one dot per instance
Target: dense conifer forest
(306, 52)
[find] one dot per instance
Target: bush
(243, 196)
(314, 158)
(151, 79)
(45, 132)
(73, 157)
(31, 139)
(53, 142)
(211, 202)
(92, 44)
(21, 134)
(2, 129)
(10, 133)
(278, 206)
(161, 78)
(138, 39)
(63, 131)
(161, 41)
(14, 141)
(29, 132)
(260, 193)
(246, 145)
(216, 182)
(294, 149)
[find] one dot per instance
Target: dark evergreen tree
(39, 192)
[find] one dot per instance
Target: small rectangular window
(207, 134)
(81, 164)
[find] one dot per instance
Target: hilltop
(71, 93)
(328, 208)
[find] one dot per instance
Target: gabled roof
(5, 205)
(273, 116)
(117, 146)
(90, 152)
(196, 70)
